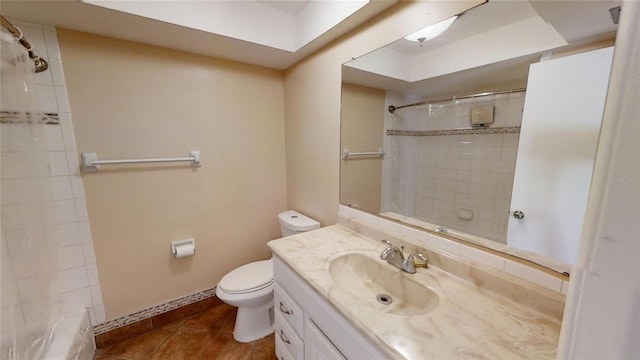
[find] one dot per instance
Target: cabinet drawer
(287, 341)
(282, 353)
(288, 309)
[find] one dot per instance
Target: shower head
(40, 63)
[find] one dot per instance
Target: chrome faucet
(441, 229)
(395, 256)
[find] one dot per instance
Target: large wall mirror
(487, 132)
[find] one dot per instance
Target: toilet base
(253, 323)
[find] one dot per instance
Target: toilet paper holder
(179, 243)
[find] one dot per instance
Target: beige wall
(135, 100)
(361, 129)
(132, 100)
(312, 107)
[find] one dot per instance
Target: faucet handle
(385, 252)
(391, 248)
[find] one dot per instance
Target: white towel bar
(90, 162)
(346, 154)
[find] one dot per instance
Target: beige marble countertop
(469, 322)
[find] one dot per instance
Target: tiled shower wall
(65, 209)
(442, 171)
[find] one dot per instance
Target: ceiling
(291, 7)
(488, 48)
(270, 33)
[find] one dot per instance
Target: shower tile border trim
(501, 130)
(13, 117)
(153, 311)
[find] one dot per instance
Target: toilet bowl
(250, 286)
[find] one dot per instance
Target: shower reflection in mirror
(450, 168)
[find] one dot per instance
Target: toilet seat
(248, 278)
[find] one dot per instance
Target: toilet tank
(292, 222)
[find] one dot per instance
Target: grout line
(108, 357)
(232, 317)
(165, 339)
(209, 342)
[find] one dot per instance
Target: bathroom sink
(374, 283)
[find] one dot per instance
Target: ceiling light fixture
(432, 31)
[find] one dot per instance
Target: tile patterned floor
(205, 335)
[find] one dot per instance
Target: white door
(560, 126)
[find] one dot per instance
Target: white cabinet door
(559, 135)
(317, 346)
(283, 354)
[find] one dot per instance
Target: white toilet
(250, 286)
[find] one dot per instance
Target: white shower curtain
(602, 315)
(28, 254)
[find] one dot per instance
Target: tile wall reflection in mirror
(488, 131)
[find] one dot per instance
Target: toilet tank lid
(295, 221)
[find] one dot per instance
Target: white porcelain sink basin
(374, 283)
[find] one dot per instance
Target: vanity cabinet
(288, 326)
(317, 345)
(308, 327)
(292, 325)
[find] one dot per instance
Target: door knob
(518, 215)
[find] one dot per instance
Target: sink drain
(384, 299)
